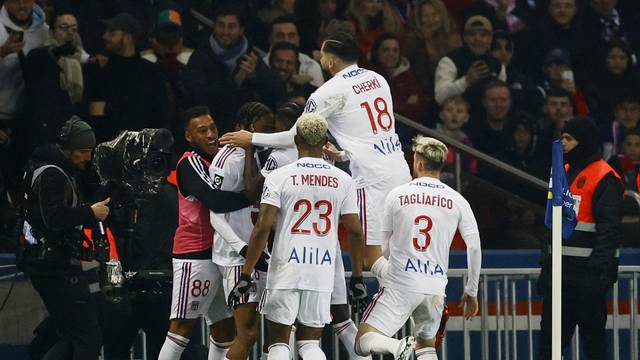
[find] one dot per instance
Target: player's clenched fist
(100, 209)
(240, 290)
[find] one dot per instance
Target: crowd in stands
(500, 75)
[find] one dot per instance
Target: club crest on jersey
(265, 192)
(311, 106)
(217, 181)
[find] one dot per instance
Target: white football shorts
(231, 275)
(310, 308)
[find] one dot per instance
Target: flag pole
(556, 284)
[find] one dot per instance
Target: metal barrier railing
(504, 331)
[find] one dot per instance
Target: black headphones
(65, 132)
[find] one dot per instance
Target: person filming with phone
(466, 70)
(22, 28)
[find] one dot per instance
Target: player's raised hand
(240, 138)
(469, 305)
(240, 290)
(358, 293)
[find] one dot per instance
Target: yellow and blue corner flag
(559, 193)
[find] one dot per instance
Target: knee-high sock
(278, 351)
(292, 342)
(173, 347)
(347, 332)
(310, 350)
(373, 342)
(217, 350)
(264, 356)
(427, 353)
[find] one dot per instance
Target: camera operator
(144, 212)
(59, 258)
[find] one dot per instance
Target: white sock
(310, 350)
(347, 332)
(373, 342)
(427, 353)
(173, 347)
(278, 351)
(217, 350)
(264, 356)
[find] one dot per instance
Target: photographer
(59, 256)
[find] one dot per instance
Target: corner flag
(559, 193)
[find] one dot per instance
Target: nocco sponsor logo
(353, 73)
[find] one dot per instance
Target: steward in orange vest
(590, 255)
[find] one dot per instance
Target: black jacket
(600, 270)
(136, 95)
(50, 208)
(49, 106)
(209, 82)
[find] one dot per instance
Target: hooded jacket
(11, 78)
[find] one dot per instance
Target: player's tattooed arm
(260, 236)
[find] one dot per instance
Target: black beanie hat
(585, 131)
(77, 134)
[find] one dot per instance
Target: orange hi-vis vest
(582, 189)
(113, 250)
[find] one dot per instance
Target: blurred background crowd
(502, 76)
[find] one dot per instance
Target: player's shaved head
(343, 46)
(432, 151)
(312, 129)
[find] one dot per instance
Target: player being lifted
(344, 327)
(305, 201)
(358, 107)
(420, 221)
(234, 169)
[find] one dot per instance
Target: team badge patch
(311, 106)
(217, 181)
(195, 305)
(266, 193)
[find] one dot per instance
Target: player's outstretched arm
(227, 234)
(356, 242)
(243, 138)
(260, 236)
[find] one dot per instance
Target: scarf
(229, 56)
(71, 79)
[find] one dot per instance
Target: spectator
(466, 70)
(508, 14)
(284, 60)
(560, 28)
(627, 163)
(605, 24)
(520, 151)
(284, 29)
(169, 53)
(22, 28)
(54, 80)
(522, 88)
(453, 116)
(433, 36)
(626, 119)
(125, 92)
(372, 18)
(408, 98)
(559, 74)
(225, 71)
(558, 109)
(615, 78)
(490, 135)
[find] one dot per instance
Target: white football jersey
(423, 217)
(311, 195)
(358, 107)
(226, 171)
(279, 158)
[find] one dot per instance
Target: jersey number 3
(382, 117)
(428, 224)
(304, 206)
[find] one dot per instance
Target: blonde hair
(392, 21)
(456, 99)
(448, 25)
(432, 150)
(312, 128)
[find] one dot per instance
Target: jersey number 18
(382, 115)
